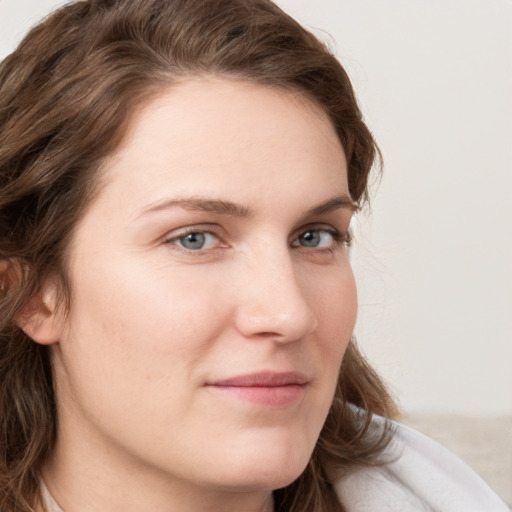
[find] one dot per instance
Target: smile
(268, 389)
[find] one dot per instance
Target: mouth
(268, 389)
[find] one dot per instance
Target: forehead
(215, 132)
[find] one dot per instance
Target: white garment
(50, 505)
(421, 476)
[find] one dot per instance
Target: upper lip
(263, 379)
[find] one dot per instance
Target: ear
(40, 318)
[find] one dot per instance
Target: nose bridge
(274, 303)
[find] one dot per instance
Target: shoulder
(417, 475)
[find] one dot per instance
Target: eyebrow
(344, 201)
(201, 204)
(222, 207)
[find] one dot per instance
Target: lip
(270, 389)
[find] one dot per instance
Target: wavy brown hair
(66, 95)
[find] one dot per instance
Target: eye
(317, 238)
(195, 240)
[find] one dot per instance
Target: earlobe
(39, 320)
(39, 317)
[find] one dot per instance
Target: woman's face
(212, 293)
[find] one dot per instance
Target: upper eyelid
(340, 236)
(172, 238)
(320, 226)
(201, 228)
(220, 234)
(211, 228)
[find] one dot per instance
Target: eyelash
(189, 231)
(338, 238)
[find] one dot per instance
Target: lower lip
(271, 396)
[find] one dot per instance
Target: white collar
(50, 505)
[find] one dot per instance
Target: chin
(264, 479)
(267, 466)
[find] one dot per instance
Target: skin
(156, 317)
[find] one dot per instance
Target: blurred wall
(433, 260)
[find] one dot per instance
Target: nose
(272, 303)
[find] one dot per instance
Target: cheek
(140, 334)
(334, 301)
(135, 304)
(333, 298)
(335, 306)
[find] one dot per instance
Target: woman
(177, 184)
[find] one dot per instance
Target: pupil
(311, 238)
(193, 241)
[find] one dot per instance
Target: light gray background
(433, 261)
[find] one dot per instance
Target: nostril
(265, 321)
(273, 304)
